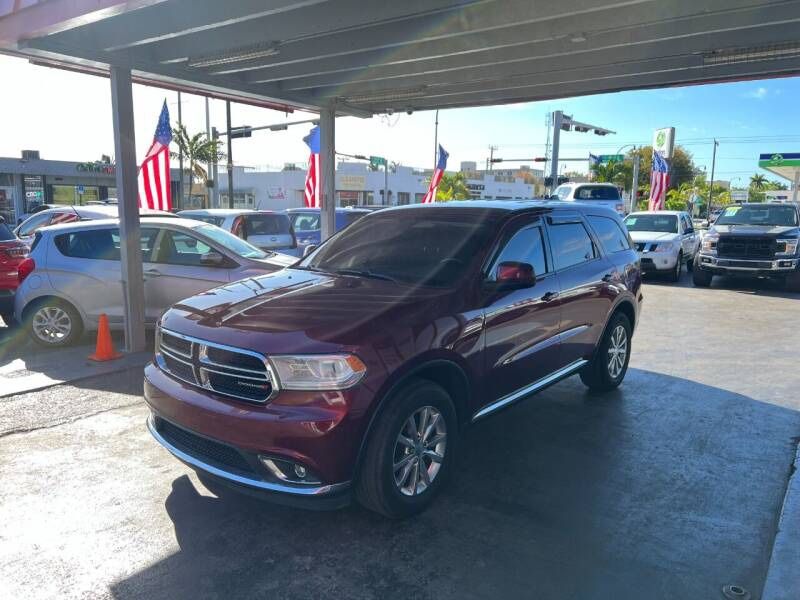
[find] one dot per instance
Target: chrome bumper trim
(713, 261)
(529, 389)
(321, 490)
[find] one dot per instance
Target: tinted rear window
(268, 225)
(5, 233)
(303, 221)
(97, 244)
(597, 192)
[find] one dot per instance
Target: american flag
(441, 165)
(312, 177)
(659, 180)
(154, 183)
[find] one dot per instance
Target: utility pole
(180, 153)
(491, 156)
(386, 182)
(549, 122)
(436, 141)
(230, 153)
(711, 187)
(635, 182)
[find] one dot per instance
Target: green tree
(196, 149)
(453, 186)
(682, 168)
(757, 182)
(611, 172)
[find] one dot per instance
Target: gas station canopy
(371, 57)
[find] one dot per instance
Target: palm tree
(453, 187)
(195, 149)
(758, 181)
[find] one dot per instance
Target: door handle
(152, 273)
(549, 296)
(608, 277)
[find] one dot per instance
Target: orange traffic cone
(105, 346)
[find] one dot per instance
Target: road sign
(79, 189)
(607, 158)
(377, 161)
(739, 195)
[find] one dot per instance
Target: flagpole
(230, 154)
(180, 154)
(436, 141)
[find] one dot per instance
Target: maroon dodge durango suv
(354, 372)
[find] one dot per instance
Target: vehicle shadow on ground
(666, 488)
(744, 285)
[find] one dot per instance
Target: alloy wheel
(419, 451)
(617, 351)
(51, 324)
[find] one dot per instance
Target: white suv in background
(665, 240)
(73, 273)
(596, 194)
(264, 229)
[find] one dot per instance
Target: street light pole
(711, 186)
(558, 119)
(230, 153)
(635, 180)
(386, 182)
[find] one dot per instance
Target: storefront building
(29, 181)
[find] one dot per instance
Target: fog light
(784, 263)
(289, 471)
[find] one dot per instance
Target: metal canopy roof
(371, 57)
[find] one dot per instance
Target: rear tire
(610, 362)
(701, 278)
(52, 322)
(690, 265)
(391, 481)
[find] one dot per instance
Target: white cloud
(759, 93)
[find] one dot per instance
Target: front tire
(53, 323)
(675, 274)
(793, 282)
(610, 363)
(410, 451)
(701, 278)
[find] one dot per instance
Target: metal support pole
(208, 137)
(180, 153)
(128, 199)
(327, 157)
(386, 182)
(794, 185)
(711, 186)
(436, 141)
(230, 153)
(558, 118)
(635, 181)
(215, 174)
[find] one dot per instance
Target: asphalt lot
(667, 488)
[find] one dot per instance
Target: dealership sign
(96, 167)
(664, 141)
(787, 159)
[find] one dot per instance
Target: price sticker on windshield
(732, 210)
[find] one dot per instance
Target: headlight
(665, 247)
(318, 371)
(789, 247)
(709, 244)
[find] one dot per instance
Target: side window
(147, 239)
(94, 244)
(571, 244)
(562, 192)
(688, 226)
(526, 245)
(34, 223)
(611, 235)
(178, 248)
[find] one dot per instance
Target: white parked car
(73, 273)
(596, 194)
(69, 214)
(264, 229)
(665, 240)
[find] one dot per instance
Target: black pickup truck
(756, 240)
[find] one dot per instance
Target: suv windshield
(416, 247)
(659, 223)
(229, 241)
(765, 214)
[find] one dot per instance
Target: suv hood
(295, 310)
(653, 236)
(760, 230)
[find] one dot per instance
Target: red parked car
(355, 371)
(12, 253)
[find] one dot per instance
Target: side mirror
(309, 249)
(212, 259)
(513, 274)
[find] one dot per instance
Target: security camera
(409, 111)
(389, 111)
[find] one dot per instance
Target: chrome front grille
(225, 370)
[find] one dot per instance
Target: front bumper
(653, 262)
(224, 438)
(736, 266)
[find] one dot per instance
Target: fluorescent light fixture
(388, 95)
(734, 56)
(234, 56)
(578, 38)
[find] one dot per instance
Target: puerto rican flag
(659, 180)
(441, 165)
(311, 193)
(154, 182)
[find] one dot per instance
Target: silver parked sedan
(73, 274)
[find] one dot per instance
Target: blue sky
(68, 116)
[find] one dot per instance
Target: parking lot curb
(783, 574)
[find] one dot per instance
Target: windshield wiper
(365, 273)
